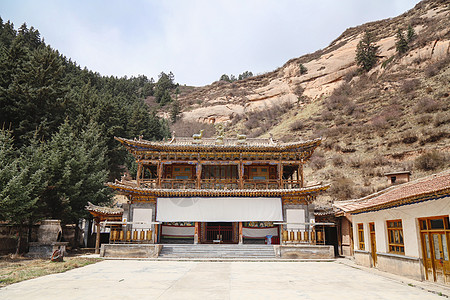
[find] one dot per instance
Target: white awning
(219, 209)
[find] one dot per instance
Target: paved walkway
(132, 279)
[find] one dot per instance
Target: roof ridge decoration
(215, 193)
(104, 209)
(210, 144)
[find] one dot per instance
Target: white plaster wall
(409, 214)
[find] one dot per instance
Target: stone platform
(213, 251)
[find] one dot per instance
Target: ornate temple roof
(423, 189)
(129, 189)
(211, 144)
(103, 210)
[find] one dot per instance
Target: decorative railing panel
(220, 184)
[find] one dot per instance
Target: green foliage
(77, 166)
(401, 43)
(233, 78)
(64, 120)
(225, 77)
(245, 75)
(175, 111)
(403, 40)
(163, 87)
(303, 69)
(410, 34)
(22, 181)
(366, 52)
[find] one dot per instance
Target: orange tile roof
(423, 189)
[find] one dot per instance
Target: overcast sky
(198, 40)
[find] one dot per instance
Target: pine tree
(410, 34)
(22, 182)
(174, 111)
(366, 52)
(78, 164)
(401, 43)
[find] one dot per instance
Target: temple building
(218, 190)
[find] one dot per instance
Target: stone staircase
(223, 251)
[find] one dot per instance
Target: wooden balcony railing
(261, 184)
(220, 184)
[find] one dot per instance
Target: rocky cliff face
(395, 117)
(327, 68)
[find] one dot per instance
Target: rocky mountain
(396, 116)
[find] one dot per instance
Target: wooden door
(435, 243)
(373, 243)
(428, 257)
(441, 259)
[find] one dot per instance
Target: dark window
(437, 224)
(393, 179)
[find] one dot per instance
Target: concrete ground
(134, 279)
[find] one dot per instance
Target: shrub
(297, 125)
(342, 188)
(337, 160)
(441, 118)
(427, 105)
(409, 137)
(303, 69)
(434, 68)
(317, 161)
(410, 85)
(431, 161)
(327, 115)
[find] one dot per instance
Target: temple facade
(218, 190)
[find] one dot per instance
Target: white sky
(198, 40)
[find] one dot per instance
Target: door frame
(430, 264)
(373, 243)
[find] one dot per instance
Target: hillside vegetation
(394, 117)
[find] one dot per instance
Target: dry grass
(18, 269)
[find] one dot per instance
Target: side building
(403, 229)
(219, 190)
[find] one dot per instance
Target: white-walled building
(404, 229)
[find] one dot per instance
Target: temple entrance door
(219, 232)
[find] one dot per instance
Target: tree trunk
(19, 239)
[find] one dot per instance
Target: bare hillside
(394, 117)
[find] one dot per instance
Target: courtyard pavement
(134, 279)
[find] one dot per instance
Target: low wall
(130, 250)
(304, 251)
(363, 258)
(410, 267)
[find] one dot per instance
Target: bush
(337, 160)
(297, 125)
(342, 188)
(409, 137)
(303, 69)
(441, 118)
(318, 161)
(434, 68)
(410, 85)
(431, 161)
(427, 105)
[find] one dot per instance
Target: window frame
(394, 232)
(361, 240)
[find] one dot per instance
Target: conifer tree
(366, 52)
(401, 43)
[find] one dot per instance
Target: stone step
(217, 251)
